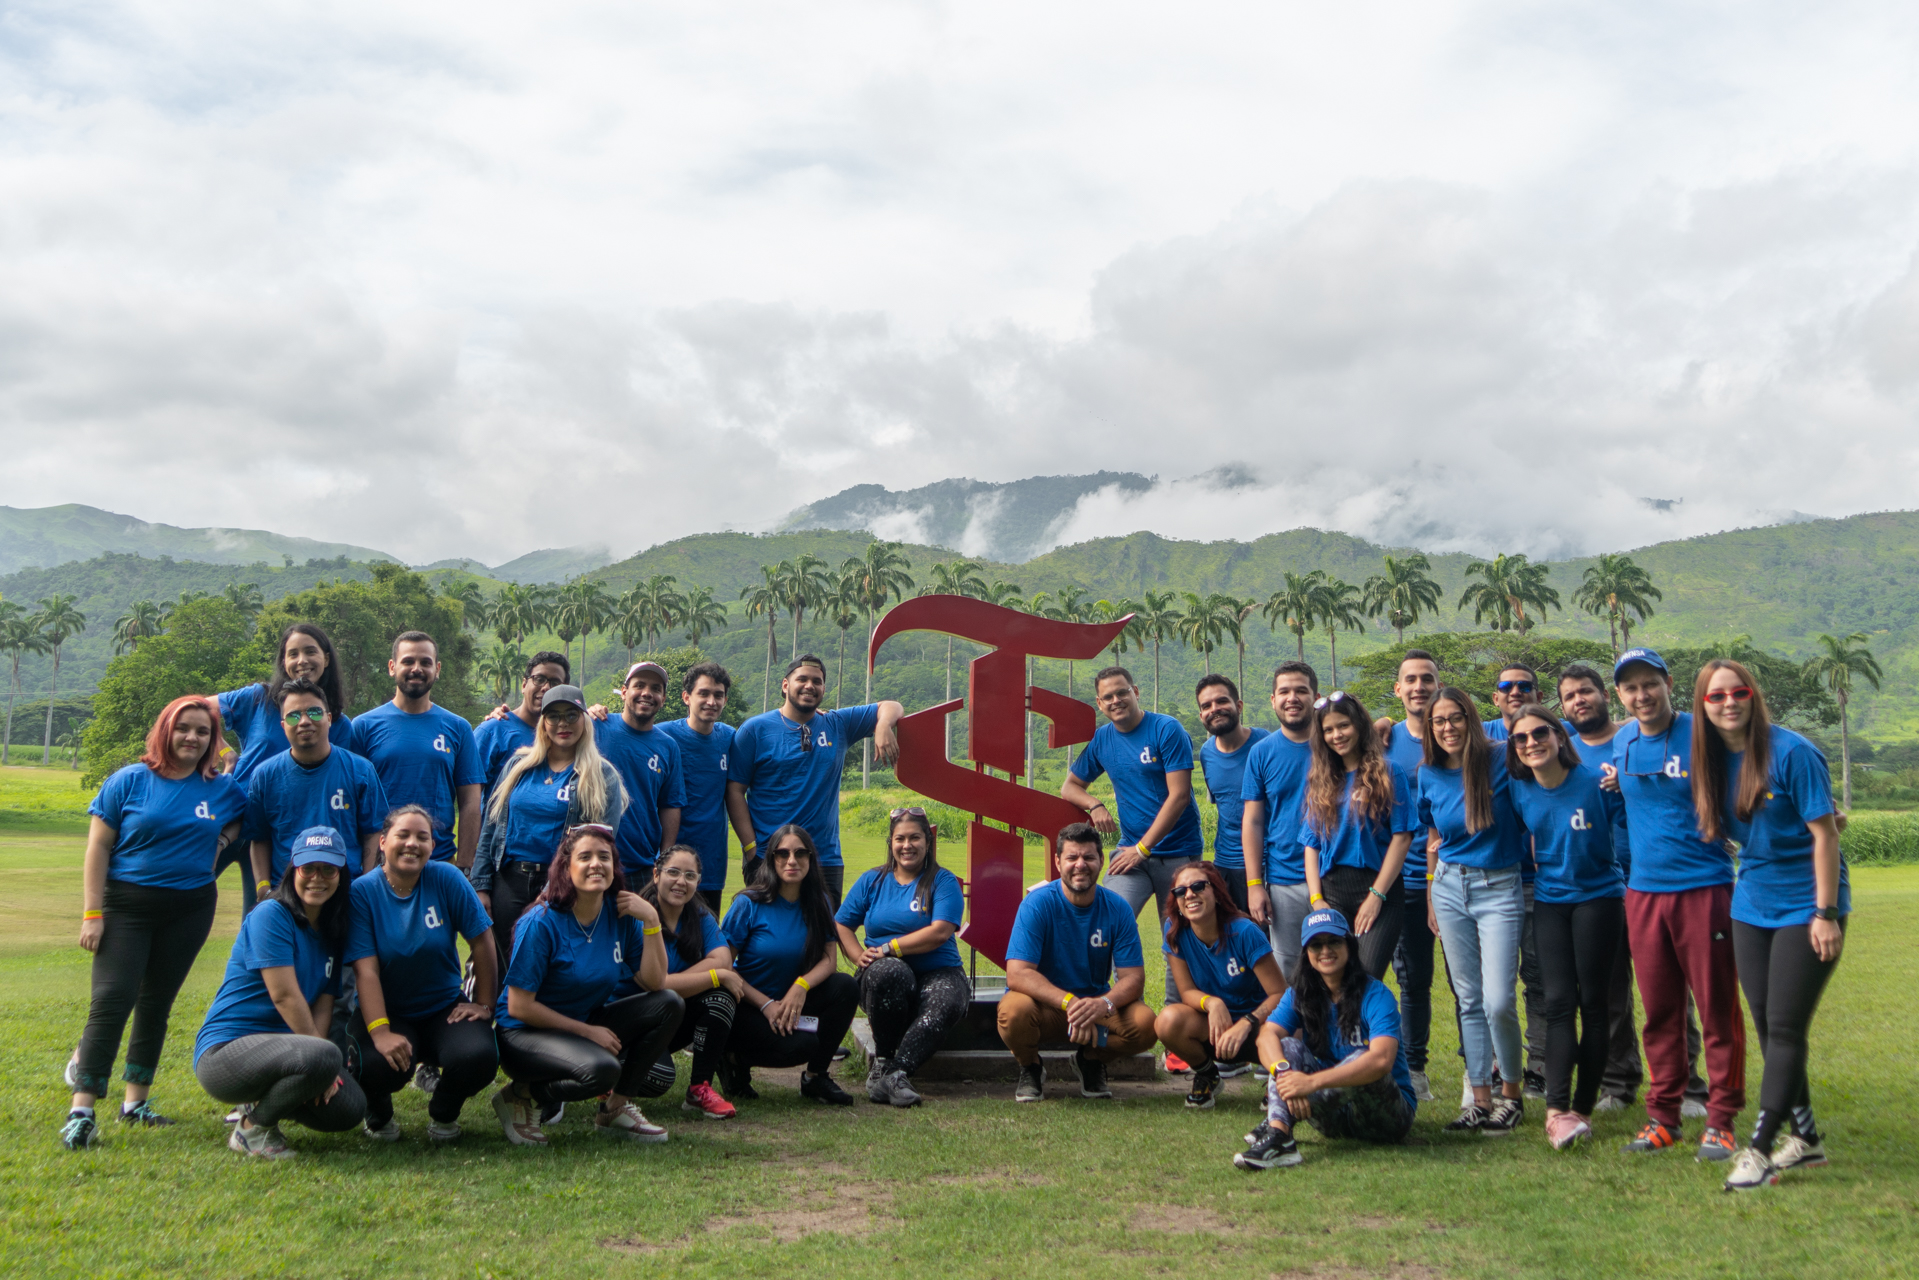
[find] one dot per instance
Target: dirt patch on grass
(1394, 1271)
(1187, 1220)
(990, 1180)
(848, 1209)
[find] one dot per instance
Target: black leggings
(1783, 979)
(1346, 890)
(1413, 967)
(833, 1002)
(911, 1012)
(1235, 878)
(151, 940)
(1578, 948)
(281, 1075)
(464, 1052)
(515, 884)
(705, 1029)
(558, 1066)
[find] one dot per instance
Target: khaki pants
(1025, 1024)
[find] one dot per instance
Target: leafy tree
(702, 615)
(1793, 696)
(1158, 622)
(204, 649)
(1200, 626)
(881, 573)
(473, 610)
(503, 669)
(803, 585)
(59, 622)
(143, 618)
(245, 596)
(1615, 587)
(1295, 606)
(1508, 584)
(1336, 606)
(1402, 594)
(1836, 663)
(763, 601)
(19, 636)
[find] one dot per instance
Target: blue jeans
(1480, 916)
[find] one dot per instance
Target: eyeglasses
(1457, 720)
(1196, 886)
(911, 811)
(546, 682)
(679, 873)
(1739, 693)
(564, 713)
(1542, 736)
(1337, 695)
(1516, 686)
(315, 714)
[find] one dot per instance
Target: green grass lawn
(966, 1185)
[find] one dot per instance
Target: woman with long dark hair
(1475, 904)
(1224, 973)
(699, 967)
(1333, 1047)
(1579, 912)
(1357, 824)
(796, 1007)
(1770, 790)
(157, 828)
(264, 1042)
(911, 984)
(565, 1032)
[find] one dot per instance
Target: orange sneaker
(712, 1106)
(1175, 1065)
(1653, 1137)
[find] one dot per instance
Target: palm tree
(1157, 621)
(59, 622)
(843, 605)
(1614, 585)
(472, 604)
(191, 594)
(19, 635)
(143, 618)
(763, 601)
(960, 578)
(701, 615)
(1201, 626)
(70, 743)
(1005, 593)
(883, 573)
(803, 585)
(504, 667)
(563, 618)
(1072, 606)
(245, 596)
(1336, 605)
(593, 610)
(1113, 611)
(1837, 663)
(1402, 593)
(662, 607)
(1293, 606)
(516, 613)
(1233, 623)
(1507, 585)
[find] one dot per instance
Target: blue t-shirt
(422, 759)
(1223, 772)
(1596, 755)
(1409, 753)
(1276, 774)
(1497, 730)
(1139, 762)
(649, 764)
(703, 822)
(1076, 948)
(768, 940)
(570, 969)
(891, 910)
(262, 734)
(496, 742)
(413, 937)
(1359, 841)
(1225, 969)
(1776, 888)
(1442, 806)
(168, 832)
(710, 939)
(787, 781)
(536, 815)
(270, 938)
(1655, 780)
(1573, 828)
(1378, 1016)
(285, 797)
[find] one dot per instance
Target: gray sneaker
(263, 1141)
(388, 1132)
(426, 1078)
(1613, 1102)
(1422, 1087)
(876, 1069)
(894, 1088)
(1032, 1083)
(437, 1132)
(1692, 1109)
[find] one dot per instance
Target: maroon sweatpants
(1679, 941)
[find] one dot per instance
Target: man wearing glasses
(1517, 686)
(1678, 913)
(785, 766)
(506, 731)
(311, 784)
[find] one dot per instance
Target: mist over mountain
(1010, 523)
(47, 536)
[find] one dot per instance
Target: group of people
(581, 855)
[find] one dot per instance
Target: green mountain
(553, 564)
(48, 536)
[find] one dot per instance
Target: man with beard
(649, 763)
(1274, 790)
(424, 754)
(1222, 763)
(785, 766)
(1414, 686)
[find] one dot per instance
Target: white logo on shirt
(1146, 755)
(1672, 769)
(822, 740)
(1579, 821)
(432, 918)
(916, 905)
(339, 800)
(565, 793)
(653, 763)
(1098, 939)
(616, 953)
(202, 810)
(1232, 967)
(329, 966)
(722, 762)
(440, 744)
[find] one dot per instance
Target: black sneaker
(551, 1112)
(1032, 1083)
(1258, 1135)
(1205, 1090)
(842, 1053)
(143, 1115)
(1534, 1085)
(822, 1088)
(1503, 1118)
(79, 1132)
(1092, 1077)
(1471, 1120)
(736, 1081)
(1274, 1150)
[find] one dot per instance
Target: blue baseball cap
(1646, 656)
(1324, 920)
(319, 844)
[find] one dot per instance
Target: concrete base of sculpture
(973, 1050)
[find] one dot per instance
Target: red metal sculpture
(997, 700)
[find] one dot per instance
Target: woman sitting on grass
(911, 984)
(796, 1008)
(1224, 972)
(264, 1043)
(565, 1032)
(1333, 1049)
(699, 968)
(158, 827)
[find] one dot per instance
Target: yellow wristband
(1144, 850)
(263, 886)
(377, 1023)
(1318, 897)
(648, 930)
(1253, 880)
(802, 984)
(747, 849)
(1202, 1004)
(1066, 999)
(93, 915)
(895, 944)
(716, 978)
(1272, 1068)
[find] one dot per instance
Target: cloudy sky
(470, 279)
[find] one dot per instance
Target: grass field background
(967, 1185)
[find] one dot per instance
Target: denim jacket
(492, 850)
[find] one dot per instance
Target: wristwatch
(1826, 913)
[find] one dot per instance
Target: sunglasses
(315, 714)
(1740, 693)
(1325, 942)
(806, 739)
(1542, 736)
(592, 829)
(911, 811)
(1516, 686)
(788, 855)
(1196, 887)
(1337, 695)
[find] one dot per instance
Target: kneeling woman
(1226, 976)
(404, 915)
(1334, 1050)
(796, 1008)
(563, 1034)
(911, 984)
(699, 968)
(263, 1043)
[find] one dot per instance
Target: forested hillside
(48, 536)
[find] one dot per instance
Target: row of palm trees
(43, 631)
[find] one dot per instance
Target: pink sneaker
(1566, 1128)
(709, 1104)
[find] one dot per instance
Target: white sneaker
(1751, 1170)
(72, 1074)
(437, 1132)
(1422, 1088)
(1692, 1109)
(1611, 1102)
(518, 1119)
(1466, 1094)
(1233, 1070)
(262, 1141)
(426, 1078)
(628, 1123)
(388, 1132)
(1794, 1152)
